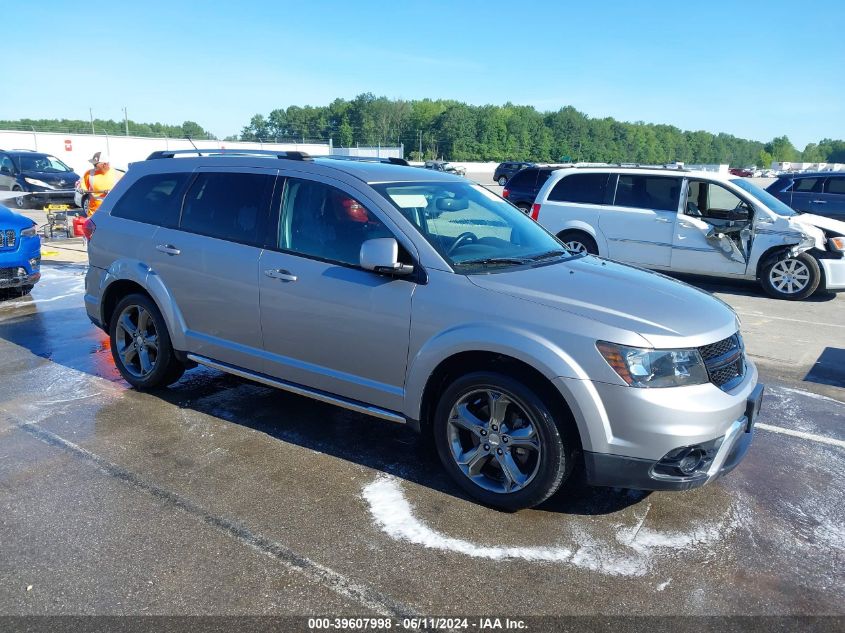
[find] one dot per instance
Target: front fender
(543, 355)
(140, 273)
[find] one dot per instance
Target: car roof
(646, 171)
(24, 152)
(811, 174)
(369, 172)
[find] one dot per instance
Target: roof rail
(224, 153)
(392, 160)
(22, 149)
(631, 166)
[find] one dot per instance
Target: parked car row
(424, 299)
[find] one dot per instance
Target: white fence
(76, 149)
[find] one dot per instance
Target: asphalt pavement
(220, 496)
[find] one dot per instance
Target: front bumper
(51, 197)
(21, 266)
(834, 273)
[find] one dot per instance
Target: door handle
(169, 249)
(819, 201)
(663, 220)
(282, 275)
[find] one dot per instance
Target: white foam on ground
(394, 515)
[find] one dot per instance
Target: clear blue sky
(753, 69)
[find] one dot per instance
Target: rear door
(210, 262)
(639, 226)
(831, 203)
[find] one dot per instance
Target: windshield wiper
(491, 261)
(550, 254)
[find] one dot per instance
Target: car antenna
(199, 153)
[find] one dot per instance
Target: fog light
(22, 272)
(34, 263)
(691, 462)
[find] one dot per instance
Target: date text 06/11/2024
(415, 623)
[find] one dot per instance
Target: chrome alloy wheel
(789, 276)
(576, 247)
(494, 441)
(137, 341)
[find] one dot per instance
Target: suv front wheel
(791, 277)
(140, 344)
(499, 441)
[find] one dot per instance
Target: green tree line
(450, 129)
(188, 129)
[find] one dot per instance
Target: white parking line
(803, 435)
(803, 321)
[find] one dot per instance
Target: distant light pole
(126, 120)
(91, 114)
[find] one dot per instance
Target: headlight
(640, 367)
(38, 183)
(836, 243)
(30, 232)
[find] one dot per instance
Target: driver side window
(710, 201)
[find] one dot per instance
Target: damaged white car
(693, 222)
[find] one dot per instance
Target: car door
(708, 237)
(640, 224)
(831, 203)
(209, 262)
(804, 191)
(328, 324)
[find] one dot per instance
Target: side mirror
(381, 255)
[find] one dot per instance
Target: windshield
(42, 162)
(473, 229)
(765, 197)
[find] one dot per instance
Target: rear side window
(835, 185)
(228, 206)
(648, 192)
(583, 188)
(524, 179)
(807, 185)
(154, 199)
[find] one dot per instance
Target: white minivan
(693, 222)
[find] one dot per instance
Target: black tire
(550, 467)
(86, 201)
(524, 207)
(582, 238)
(25, 290)
(503, 180)
(791, 278)
(166, 368)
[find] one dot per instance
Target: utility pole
(91, 114)
(126, 120)
(420, 131)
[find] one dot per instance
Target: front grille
(8, 238)
(8, 273)
(725, 361)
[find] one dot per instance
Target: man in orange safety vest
(99, 181)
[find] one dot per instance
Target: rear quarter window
(524, 179)
(835, 185)
(580, 188)
(648, 192)
(154, 199)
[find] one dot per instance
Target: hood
(837, 226)
(58, 180)
(666, 312)
(11, 220)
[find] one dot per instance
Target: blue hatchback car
(20, 253)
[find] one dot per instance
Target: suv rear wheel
(500, 442)
(791, 277)
(503, 180)
(140, 344)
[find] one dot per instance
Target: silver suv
(423, 299)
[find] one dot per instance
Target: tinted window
(835, 185)
(228, 206)
(153, 199)
(523, 179)
(320, 221)
(586, 188)
(806, 185)
(542, 177)
(648, 192)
